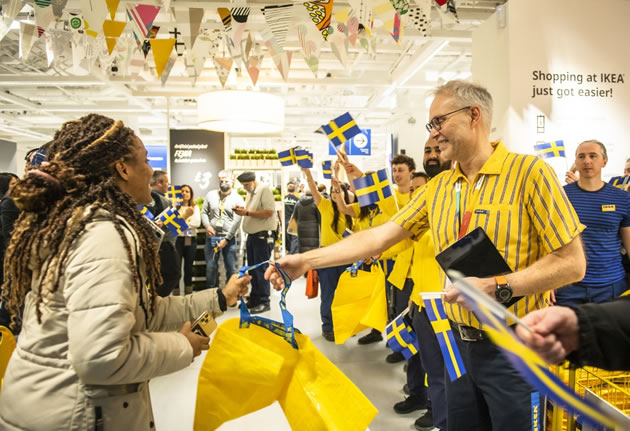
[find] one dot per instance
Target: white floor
(174, 395)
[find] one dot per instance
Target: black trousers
(186, 254)
(258, 250)
(492, 395)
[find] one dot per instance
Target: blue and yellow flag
(401, 338)
(341, 129)
(304, 158)
(526, 361)
(145, 212)
(175, 195)
(372, 188)
(435, 312)
(287, 157)
(173, 220)
(547, 150)
(327, 169)
(619, 182)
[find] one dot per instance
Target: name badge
(485, 212)
(220, 222)
(608, 208)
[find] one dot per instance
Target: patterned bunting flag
(278, 18)
(384, 12)
(174, 195)
(172, 219)
(401, 338)
(435, 312)
(222, 66)
(281, 58)
(339, 45)
(44, 15)
(340, 129)
(419, 17)
(304, 158)
(287, 157)
(141, 18)
(161, 49)
(372, 188)
(327, 169)
(547, 150)
(321, 14)
(28, 36)
(401, 6)
(397, 28)
(309, 37)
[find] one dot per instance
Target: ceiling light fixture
(241, 112)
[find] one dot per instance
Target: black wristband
(222, 301)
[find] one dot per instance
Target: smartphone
(204, 325)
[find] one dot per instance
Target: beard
(432, 169)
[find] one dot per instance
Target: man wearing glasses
(520, 204)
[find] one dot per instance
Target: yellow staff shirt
(329, 236)
(520, 204)
(425, 271)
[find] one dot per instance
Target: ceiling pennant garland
(367, 41)
(29, 33)
(61, 46)
(50, 53)
(253, 67)
(239, 24)
(189, 22)
(169, 67)
(112, 31)
(278, 18)
(222, 65)
(94, 13)
(448, 11)
(384, 14)
(112, 7)
(142, 17)
(401, 6)
(397, 28)
(161, 49)
(43, 14)
(281, 58)
(205, 45)
(5, 27)
(353, 29)
(179, 45)
(11, 8)
(418, 17)
(339, 45)
(58, 7)
(309, 37)
(321, 13)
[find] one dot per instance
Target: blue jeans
(328, 280)
(574, 294)
(212, 260)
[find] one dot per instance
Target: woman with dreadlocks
(83, 262)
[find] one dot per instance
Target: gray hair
(157, 177)
(595, 141)
(225, 173)
(468, 94)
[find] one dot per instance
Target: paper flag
(113, 28)
(339, 45)
(112, 6)
(28, 36)
(205, 45)
(57, 7)
(240, 14)
(11, 8)
(94, 13)
(321, 14)
(188, 22)
(397, 28)
(226, 18)
(161, 49)
(142, 17)
(309, 37)
(44, 16)
(62, 48)
(353, 29)
(169, 67)
(278, 18)
(401, 6)
(253, 68)
(384, 14)
(222, 67)
(179, 45)
(5, 27)
(76, 22)
(419, 17)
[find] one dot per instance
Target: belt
(264, 233)
(468, 333)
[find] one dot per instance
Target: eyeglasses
(437, 122)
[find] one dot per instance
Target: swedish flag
(341, 129)
(327, 169)
(452, 358)
(145, 212)
(304, 158)
(372, 188)
(619, 182)
(287, 157)
(175, 195)
(401, 338)
(547, 150)
(173, 220)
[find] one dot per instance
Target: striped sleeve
(414, 216)
(553, 216)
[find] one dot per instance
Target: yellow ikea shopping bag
(247, 369)
(359, 303)
(7, 345)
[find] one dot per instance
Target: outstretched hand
(198, 342)
(294, 265)
(235, 287)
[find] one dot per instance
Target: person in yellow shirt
(333, 225)
(519, 202)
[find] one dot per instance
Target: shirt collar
(495, 162)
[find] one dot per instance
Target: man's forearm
(357, 246)
(259, 213)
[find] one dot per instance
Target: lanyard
(463, 224)
(221, 204)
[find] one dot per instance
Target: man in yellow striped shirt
(519, 202)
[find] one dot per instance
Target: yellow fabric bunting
(161, 49)
(112, 6)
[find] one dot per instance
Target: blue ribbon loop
(284, 330)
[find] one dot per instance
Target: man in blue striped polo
(605, 210)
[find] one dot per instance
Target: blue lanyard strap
(284, 330)
(354, 268)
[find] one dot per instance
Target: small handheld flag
(175, 195)
(346, 233)
(450, 352)
(173, 220)
(340, 129)
(287, 157)
(401, 338)
(372, 188)
(327, 169)
(551, 149)
(619, 182)
(145, 212)
(304, 158)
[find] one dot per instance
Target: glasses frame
(437, 122)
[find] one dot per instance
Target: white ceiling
(35, 99)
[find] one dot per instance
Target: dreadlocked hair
(60, 198)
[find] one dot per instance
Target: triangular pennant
(353, 29)
(205, 45)
(161, 49)
(111, 44)
(226, 18)
(320, 13)
(180, 47)
(44, 16)
(142, 17)
(339, 45)
(112, 6)
(61, 46)
(384, 14)
(222, 67)
(50, 53)
(419, 17)
(253, 68)
(397, 28)
(278, 18)
(42, 3)
(172, 59)
(448, 12)
(28, 37)
(94, 13)
(113, 28)
(11, 8)
(5, 27)
(309, 37)
(188, 21)
(401, 6)
(57, 7)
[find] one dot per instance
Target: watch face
(503, 294)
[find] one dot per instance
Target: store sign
(359, 145)
(196, 158)
(157, 156)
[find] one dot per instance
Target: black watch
(503, 292)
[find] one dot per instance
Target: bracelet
(247, 212)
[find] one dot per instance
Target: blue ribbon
(284, 330)
(354, 268)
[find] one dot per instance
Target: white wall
(8, 158)
(577, 37)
